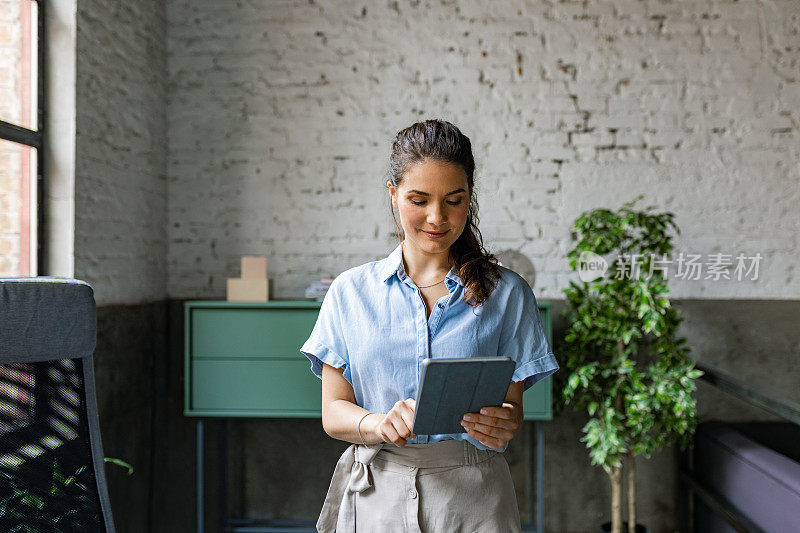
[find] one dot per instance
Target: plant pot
(606, 528)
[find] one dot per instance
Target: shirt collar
(393, 265)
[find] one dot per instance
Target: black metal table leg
(200, 475)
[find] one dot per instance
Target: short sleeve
(326, 343)
(523, 337)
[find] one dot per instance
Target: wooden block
(254, 267)
(248, 290)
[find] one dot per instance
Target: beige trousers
(449, 486)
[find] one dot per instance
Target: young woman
(438, 294)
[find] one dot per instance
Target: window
(21, 100)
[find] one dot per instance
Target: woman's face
(433, 202)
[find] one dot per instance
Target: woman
(438, 294)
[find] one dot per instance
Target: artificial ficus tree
(625, 363)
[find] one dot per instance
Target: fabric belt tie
(352, 474)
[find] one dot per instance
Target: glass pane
(18, 53)
(17, 210)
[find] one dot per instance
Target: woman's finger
(493, 431)
(486, 440)
(408, 417)
(401, 427)
(396, 417)
(389, 431)
(402, 416)
(506, 411)
(492, 421)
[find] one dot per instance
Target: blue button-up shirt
(373, 322)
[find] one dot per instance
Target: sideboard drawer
(255, 333)
(274, 387)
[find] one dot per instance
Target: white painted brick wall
(630, 94)
(281, 115)
(120, 175)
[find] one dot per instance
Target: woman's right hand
(395, 427)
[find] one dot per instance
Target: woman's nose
(436, 216)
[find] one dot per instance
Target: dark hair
(440, 140)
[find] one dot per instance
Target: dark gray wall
(131, 344)
(282, 468)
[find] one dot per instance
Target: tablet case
(449, 388)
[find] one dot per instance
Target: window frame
(35, 138)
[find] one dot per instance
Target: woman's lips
(435, 235)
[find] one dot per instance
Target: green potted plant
(623, 360)
(63, 503)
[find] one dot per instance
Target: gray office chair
(51, 458)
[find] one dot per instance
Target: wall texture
(120, 175)
(281, 115)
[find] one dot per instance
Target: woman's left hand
(494, 426)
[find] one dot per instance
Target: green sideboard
(244, 360)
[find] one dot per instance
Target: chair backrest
(52, 475)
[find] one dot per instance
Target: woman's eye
(422, 202)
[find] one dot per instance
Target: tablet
(449, 388)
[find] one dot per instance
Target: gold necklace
(402, 248)
(431, 285)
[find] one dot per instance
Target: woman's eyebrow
(422, 193)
